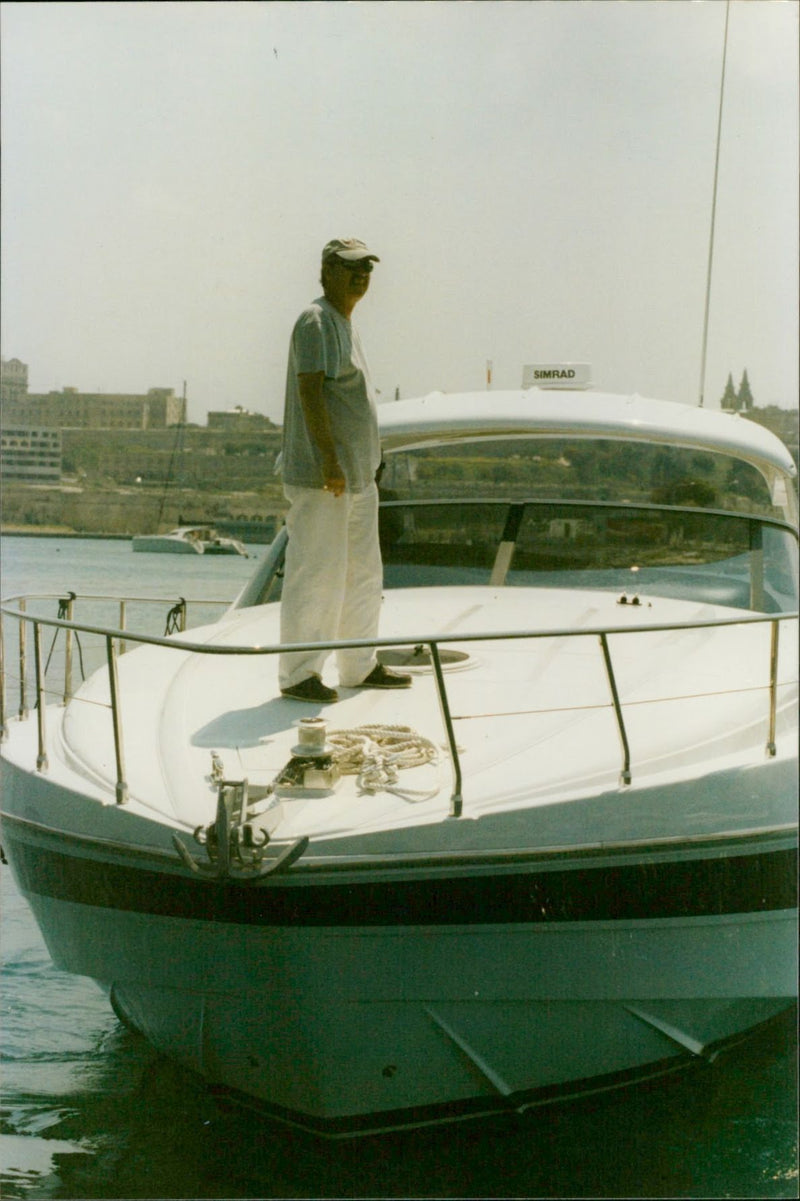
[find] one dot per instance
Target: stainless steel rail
(41, 761)
(23, 704)
(67, 606)
(456, 800)
(625, 774)
(116, 717)
(68, 637)
(773, 688)
(3, 728)
(432, 641)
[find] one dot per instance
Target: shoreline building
(32, 456)
(13, 381)
(238, 420)
(158, 408)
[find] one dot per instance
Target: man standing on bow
(331, 452)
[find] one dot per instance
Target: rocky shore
(122, 511)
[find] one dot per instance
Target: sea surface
(89, 1110)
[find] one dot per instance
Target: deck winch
(312, 766)
(373, 753)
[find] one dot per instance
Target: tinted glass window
(571, 469)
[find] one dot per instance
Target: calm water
(90, 1111)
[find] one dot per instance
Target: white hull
(343, 1031)
(188, 540)
(162, 544)
(495, 1019)
(343, 1027)
(367, 1066)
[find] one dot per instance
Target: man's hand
(334, 480)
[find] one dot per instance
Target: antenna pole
(713, 209)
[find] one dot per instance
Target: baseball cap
(349, 249)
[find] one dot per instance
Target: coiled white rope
(377, 753)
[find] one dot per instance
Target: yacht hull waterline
(382, 997)
(345, 1026)
(594, 884)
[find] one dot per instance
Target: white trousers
(332, 581)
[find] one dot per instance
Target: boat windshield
(600, 513)
(597, 469)
(710, 556)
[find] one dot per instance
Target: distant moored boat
(189, 540)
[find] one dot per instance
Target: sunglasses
(361, 267)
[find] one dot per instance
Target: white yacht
(563, 860)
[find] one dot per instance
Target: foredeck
(543, 747)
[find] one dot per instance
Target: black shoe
(311, 689)
(381, 677)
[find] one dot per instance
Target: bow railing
(116, 639)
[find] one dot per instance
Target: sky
(536, 176)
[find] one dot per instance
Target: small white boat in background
(565, 859)
(189, 540)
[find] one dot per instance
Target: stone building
(158, 408)
(30, 455)
(13, 380)
(239, 420)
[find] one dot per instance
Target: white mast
(713, 209)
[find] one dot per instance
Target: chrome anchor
(234, 848)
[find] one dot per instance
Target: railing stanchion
(69, 609)
(456, 801)
(116, 717)
(23, 701)
(772, 749)
(122, 620)
(3, 729)
(625, 774)
(41, 758)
